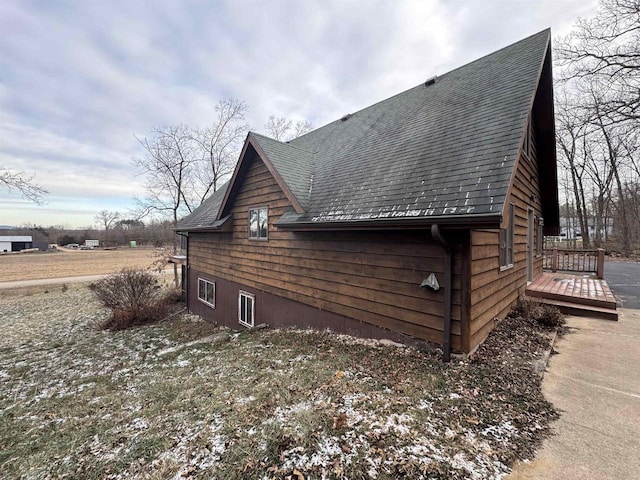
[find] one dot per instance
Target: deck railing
(575, 260)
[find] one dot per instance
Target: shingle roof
(204, 217)
(447, 149)
(444, 149)
(294, 164)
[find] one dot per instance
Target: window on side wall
(246, 308)
(259, 223)
(540, 237)
(507, 240)
(207, 292)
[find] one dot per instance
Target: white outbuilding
(15, 243)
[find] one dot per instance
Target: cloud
(79, 79)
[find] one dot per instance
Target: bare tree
(607, 48)
(569, 133)
(168, 164)
(598, 132)
(612, 140)
(219, 145)
(283, 129)
(107, 219)
(23, 183)
(599, 155)
(183, 166)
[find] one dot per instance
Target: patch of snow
(397, 423)
(139, 424)
(245, 400)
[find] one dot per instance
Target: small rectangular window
(507, 240)
(207, 292)
(540, 237)
(246, 308)
(259, 223)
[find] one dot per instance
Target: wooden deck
(576, 294)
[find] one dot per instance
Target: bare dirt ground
(73, 263)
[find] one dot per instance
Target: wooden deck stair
(578, 295)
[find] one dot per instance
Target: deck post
(554, 260)
(600, 266)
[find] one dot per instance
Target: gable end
(250, 151)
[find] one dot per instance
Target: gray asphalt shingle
(205, 215)
(294, 165)
(446, 149)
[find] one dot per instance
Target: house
(417, 218)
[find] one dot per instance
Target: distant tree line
(156, 233)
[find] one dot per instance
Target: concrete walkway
(595, 382)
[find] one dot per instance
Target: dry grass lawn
(155, 402)
(73, 263)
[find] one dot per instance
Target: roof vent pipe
(446, 342)
(346, 117)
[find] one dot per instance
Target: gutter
(461, 221)
(446, 342)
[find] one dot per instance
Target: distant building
(570, 229)
(36, 237)
(15, 243)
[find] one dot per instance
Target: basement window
(207, 292)
(246, 308)
(258, 223)
(506, 240)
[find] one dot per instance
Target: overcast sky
(78, 79)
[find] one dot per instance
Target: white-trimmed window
(507, 240)
(259, 223)
(207, 292)
(246, 308)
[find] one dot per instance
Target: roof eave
(221, 224)
(457, 221)
(196, 229)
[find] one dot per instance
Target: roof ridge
(439, 77)
(547, 30)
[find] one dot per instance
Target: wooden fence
(575, 260)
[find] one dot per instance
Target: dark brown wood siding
(493, 291)
(371, 277)
(279, 312)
